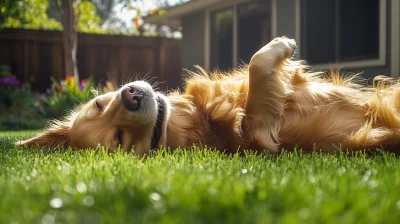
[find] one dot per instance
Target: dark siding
(193, 42)
(286, 18)
(287, 26)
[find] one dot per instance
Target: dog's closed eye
(99, 106)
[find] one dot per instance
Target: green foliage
(32, 14)
(88, 20)
(5, 70)
(20, 109)
(104, 9)
(66, 95)
(195, 186)
(27, 14)
(52, 10)
(92, 14)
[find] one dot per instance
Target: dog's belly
(325, 126)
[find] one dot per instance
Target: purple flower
(40, 96)
(9, 81)
(82, 85)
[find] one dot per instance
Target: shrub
(66, 95)
(4, 70)
(19, 107)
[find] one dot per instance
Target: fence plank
(36, 55)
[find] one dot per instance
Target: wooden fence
(36, 55)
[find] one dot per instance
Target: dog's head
(133, 117)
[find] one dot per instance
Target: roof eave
(173, 15)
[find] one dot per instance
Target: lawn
(195, 186)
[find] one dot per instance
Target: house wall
(286, 25)
(286, 18)
(395, 39)
(193, 41)
(382, 70)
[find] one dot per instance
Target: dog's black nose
(131, 98)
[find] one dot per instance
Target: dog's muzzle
(132, 98)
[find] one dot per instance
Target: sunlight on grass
(195, 186)
(19, 134)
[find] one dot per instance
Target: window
(222, 38)
(253, 29)
(340, 30)
(237, 32)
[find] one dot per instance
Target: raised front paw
(283, 46)
(275, 51)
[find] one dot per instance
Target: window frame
(395, 41)
(207, 27)
(234, 31)
(363, 63)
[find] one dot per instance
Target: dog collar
(157, 131)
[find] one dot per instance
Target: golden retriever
(272, 103)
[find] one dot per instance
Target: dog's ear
(56, 135)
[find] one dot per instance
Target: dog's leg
(369, 138)
(264, 105)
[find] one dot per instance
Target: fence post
(162, 60)
(156, 58)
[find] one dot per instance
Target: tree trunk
(70, 38)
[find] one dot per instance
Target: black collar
(157, 131)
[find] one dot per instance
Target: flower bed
(22, 108)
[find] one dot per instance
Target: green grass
(195, 186)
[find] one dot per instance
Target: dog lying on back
(272, 103)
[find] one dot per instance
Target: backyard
(59, 54)
(194, 186)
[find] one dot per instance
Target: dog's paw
(276, 51)
(283, 46)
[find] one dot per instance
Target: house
(356, 35)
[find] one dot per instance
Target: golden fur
(272, 103)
